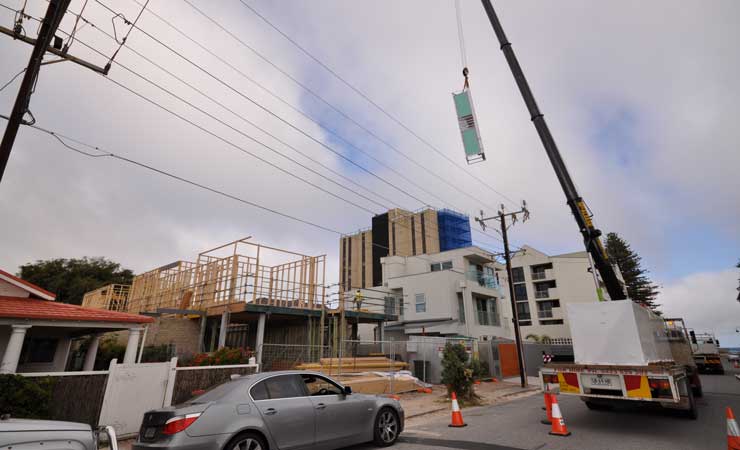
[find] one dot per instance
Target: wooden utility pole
(53, 17)
(501, 217)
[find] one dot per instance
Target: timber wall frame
(236, 272)
(113, 297)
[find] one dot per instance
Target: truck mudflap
(664, 387)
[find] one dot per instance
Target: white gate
(132, 390)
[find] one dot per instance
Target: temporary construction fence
(380, 366)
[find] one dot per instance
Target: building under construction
(240, 294)
(398, 233)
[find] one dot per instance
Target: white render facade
(451, 293)
(544, 284)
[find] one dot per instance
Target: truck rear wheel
(693, 412)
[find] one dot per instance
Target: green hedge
(28, 398)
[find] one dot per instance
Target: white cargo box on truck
(617, 333)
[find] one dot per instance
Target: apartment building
(544, 284)
(450, 293)
(398, 233)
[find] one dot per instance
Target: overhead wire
(61, 138)
(311, 91)
(376, 105)
(133, 25)
(285, 121)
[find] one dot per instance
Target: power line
(313, 94)
(372, 102)
(280, 118)
(244, 119)
(61, 138)
(123, 41)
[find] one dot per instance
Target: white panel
(619, 333)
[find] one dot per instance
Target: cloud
(707, 303)
(629, 72)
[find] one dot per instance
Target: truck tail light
(550, 378)
(660, 388)
(179, 423)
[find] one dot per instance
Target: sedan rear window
(259, 391)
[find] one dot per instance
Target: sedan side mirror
(347, 390)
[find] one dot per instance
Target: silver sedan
(274, 410)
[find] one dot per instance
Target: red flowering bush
(221, 357)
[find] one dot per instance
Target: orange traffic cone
(558, 424)
(457, 420)
(548, 408)
(733, 432)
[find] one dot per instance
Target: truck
(626, 354)
(649, 362)
(706, 353)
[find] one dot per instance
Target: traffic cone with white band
(733, 432)
(558, 424)
(457, 420)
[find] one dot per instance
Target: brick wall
(181, 332)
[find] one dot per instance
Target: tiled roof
(30, 287)
(27, 308)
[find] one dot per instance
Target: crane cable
(461, 40)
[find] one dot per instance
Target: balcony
(545, 293)
(539, 275)
(524, 316)
(483, 279)
(546, 314)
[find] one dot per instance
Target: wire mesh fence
(287, 357)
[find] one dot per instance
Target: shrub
(157, 353)
(23, 397)
(480, 369)
(221, 357)
(456, 373)
(108, 350)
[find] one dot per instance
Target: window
(522, 311)
(421, 303)
(520, 292)
(39, 350)
(284, 386)
(320, 386)
(517, 274)
(259, 391)
(544, 309)
(444, 265)
(460, 308)
(486, 309)
(390, 306)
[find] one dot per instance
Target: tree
(738, 282)
(69, 279)
(639, 286)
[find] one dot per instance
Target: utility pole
(501, 217)
(53, 17)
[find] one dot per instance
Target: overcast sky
(640, 96)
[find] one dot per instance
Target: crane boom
(591, 235)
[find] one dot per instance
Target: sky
(640, 98)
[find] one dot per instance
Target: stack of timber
(380, 383)
(355, 365)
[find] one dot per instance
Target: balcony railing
(546, 314)
(488, 318)
(483, 279)
(542, 294)
(524, 316)
(539, 275)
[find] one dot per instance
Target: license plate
(596, 381)
(150, 432)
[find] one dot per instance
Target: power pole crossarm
(54, 14)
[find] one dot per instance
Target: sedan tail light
(179, 423)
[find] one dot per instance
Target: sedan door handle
(320, 406)
(270, 411)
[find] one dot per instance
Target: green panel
(462, 104)
(470, 142)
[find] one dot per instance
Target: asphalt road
(515, 425)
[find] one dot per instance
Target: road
(515, 425)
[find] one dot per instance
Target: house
(450, 293)
(36, 332)
(544, 285)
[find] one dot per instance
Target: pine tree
(639, 286)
